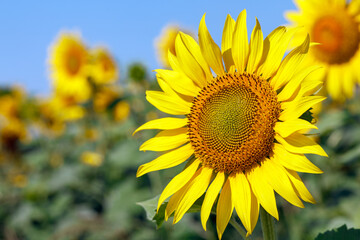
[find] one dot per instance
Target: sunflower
(56, 111)
(337, 30)
(69, 70)
(242, 127)
(166, 42)
(104, 69)
(93, 159)
(121, 111)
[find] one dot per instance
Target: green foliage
(64, 198)
(150, 207)
(308, 116)
(340, 234)
(137, 72)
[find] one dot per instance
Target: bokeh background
(74, 177)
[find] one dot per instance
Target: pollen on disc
(231, 122)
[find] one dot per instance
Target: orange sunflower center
(231, 123)
(73, 61)
(339, 38)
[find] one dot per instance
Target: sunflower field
(254, 137)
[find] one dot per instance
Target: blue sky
(127, 28)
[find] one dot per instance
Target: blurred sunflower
(69, 70)
(12, 131)
(12, 127)
(166, 42)
(121, 111)
(92, 158)
(104, 96)
(58, 110)
(337, 30)
(104, 69)
(242, 126)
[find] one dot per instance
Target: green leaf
(307, 116)
(339, 234)
(159, 217)
(150, 206)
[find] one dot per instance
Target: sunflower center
(231, 123)
(73, 63)
(339, 38)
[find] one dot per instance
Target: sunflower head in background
(104, 69)
(336, 29)
(165, 42)
(69, 67)
(241, 133)
(12, 124)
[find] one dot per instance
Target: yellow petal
(188, 63)
(175, 199)
(298, 143)
(178, 181)
(163, 124)
(194, 190)
(339, 3)
(310, 86)
(348, 83)
(290, 64)
(226, 44)
(293, 161)
(174, 62)
(294, 16)
(333, 83)
(166, 140)
(240, 44)
(178, 82)
(167, 160)
(354, 8)
(210, 197)
(298, 184)
(256, 48)
(254, 212)
(224, 209)
(275, 45)
(195, 50)
(263, 191)
(210, 50)
(288, 127)
(241, 197)
(167, 103)
(277, 178)
(295, 83)
(295, 108)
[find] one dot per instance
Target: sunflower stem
(238, 228)
(267, 225)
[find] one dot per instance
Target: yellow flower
(166, 42)
(105, 96)
(92, 158)
(121, 111)
(12, 131)
(91, 134)
(335, 25)
(19, 180)
(242, 126)
(69, 70)
(8, 106)
(10, 102)
(104, 69)
(50, 122)
(63, 108)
